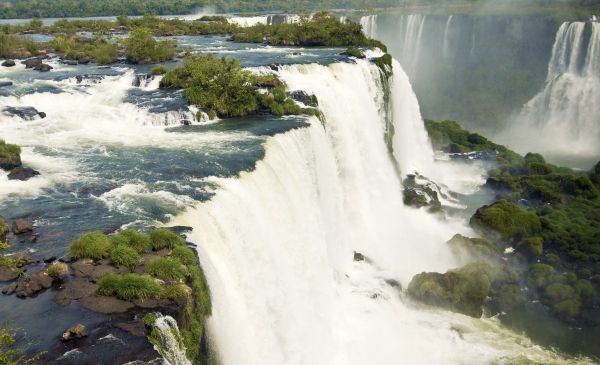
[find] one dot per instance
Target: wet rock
(84, 61)
(19, 54)
(359, 256)
(43, 67)
(304, 98)
(6, 83)
(142, 80)
(22, 258)
(69, 62)
(22, 173)
(9, 289)
(152, 303)
(49, 259)
(21, 226)
(8, 63)
(30, 286)
(180, 229)
(8, 274)
(75, 289)
(25, 112)
(87, 269)
(94, 79)
(136, 328)
(77, 331)
(106, 305)
(32, 62)
(394, 284)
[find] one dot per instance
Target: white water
(369, 25)
(170, 348)
(445, 45)
(277, 246)
(563, 118)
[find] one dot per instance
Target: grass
(159, 70)
(57, 269)
(123, 255)
(185, 255)
(164, 239)
(138, 241)
(167, 268)
(93, 245)
(129, 286)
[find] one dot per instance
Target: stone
(106, 305)
(49, 259)
(22, 258)
(30, 286)
(9, 289)
(8, 274)
(136, 328)
(8, 63)
(77, 331)
(75, 289)
(22, 173)
(87, 269)
(32, 62)
(25, 112)
(180, 230)
(43, 67)
(21, 226)
(359, 256)
(6, 83)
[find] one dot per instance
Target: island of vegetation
(538, 240)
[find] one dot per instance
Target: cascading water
(170, 346)
(277, 243)
(563, 118)
(369, 25)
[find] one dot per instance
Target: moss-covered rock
(473, 248)
(507, 220)
(10, 156)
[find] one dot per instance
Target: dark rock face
(24, 112)
(21, 226)
(22, 173)
(94, 79)
(31, 286)
(5, 83)
(142, 80)
(304, 98)
(32, 62)
(43, 67)
(106, 305)
(9, 63)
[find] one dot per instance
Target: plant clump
(165, 239)
(140, 242)
(57, 269)
(93, 245)
(123, 255)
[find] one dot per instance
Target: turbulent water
(277, 243)
(563, 117)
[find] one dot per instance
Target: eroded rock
(106, 305)
(9, 63)
(22, 173)
(21, 226)
(77, 331)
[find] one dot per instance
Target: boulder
(106, 305)
(24, 112)
(3, 229)
(9, 63)
(19, 54)
(75, 289)
(21, 226)
(22, 258)
(49, 259)
(69, 62)
(8, 274)
(77, 331)
(32, 62)
(43, 67)
(5, 83)
(30, 286)
(304, 98)
(9, 289)
(87, 269)
(22, 173)
(84, 61)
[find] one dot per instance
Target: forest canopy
(12, 9)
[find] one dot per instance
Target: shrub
(129, 286)
(354, 52)
(140, 242)
(93, 245)
(568, 308)
(185, 255)
(10, 155)
(141, 47)
(167, 268)
(385, 63)
(57, 269)
(159, 70)
(506, 219)
(123, 255)
(103, 53)
(541, 274)
(163, 238)
(532, 246)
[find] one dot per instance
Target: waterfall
(369, 25)
(171, 343)
(445, 46)
(277, 243)
(563, 118)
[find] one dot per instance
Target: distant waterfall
(564, 117)
(369, 25)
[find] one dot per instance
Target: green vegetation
(138, 241)
(167, 268)
(142, 48)
(354, 52)
(130, 286)
(93, 245)
(508, 220)
(123, 255)
(10, 155)
(12, 351)
(163, 238)
(221, 87)
(17, 46)
(321, 30)
(159, 70)
(57, 269)
(385, 64)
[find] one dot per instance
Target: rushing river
(278, 207)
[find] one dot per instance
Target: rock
(22, 173)
(87, 269)
(304, 98)
(8, 63)
(9, 289)
(84, 61)
(6, 83)
(21, 226)
(32, 62)
(31, 286)
(94, 79)
(22, 258)
(136, 328)
(19, 54)
(43, 67)
(49, 259)
(25, 112)
(77, 331)
(142, 80)
(152, 303)
(106, 305)
(3, 229)
(472, 248)
(8, 274)
(70, 62)
(358, 256)
(180, 230)
(75, 289)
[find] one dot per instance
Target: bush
(541, 275)
(142, 48)
(185, 255)
(354, 52)
(167, 268)
(129, 286)
(10, 155)
(123, 255)
(93, 245)
(140, 242)
(159, 70)
(57, 269)
(506, 219)
(163, 238)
